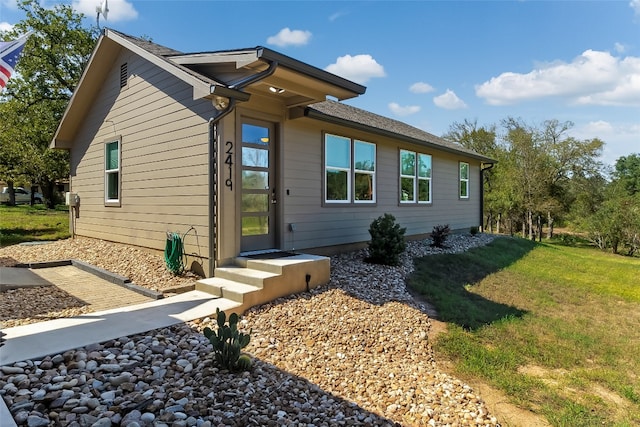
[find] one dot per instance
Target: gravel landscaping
(353, 352)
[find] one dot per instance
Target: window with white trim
(112, 172)
(464, 180)
(415, 177)
(424, 178)
(350, 170)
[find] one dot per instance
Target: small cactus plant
(244, 362)
(228, 342)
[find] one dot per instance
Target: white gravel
(353, 352)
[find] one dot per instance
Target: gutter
(482, 170)
(213, 154)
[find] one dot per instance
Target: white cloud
(399, 110)
(288, 37)
(620, 138)
(358, 68)
(449, 101)
(5, 27)
(594, 77)
(635, 5)
(119, 10)
(337, 16)
(421, 87)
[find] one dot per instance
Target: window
(350, 169)
(415, 177)
(364, 171)
(424, 178)
(112, 172)
(407, 176)
(464, 180)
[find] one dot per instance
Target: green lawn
(557, 328)
(32, 223)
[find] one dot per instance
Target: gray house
(248, 150)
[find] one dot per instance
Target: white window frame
(412, 177)
(416, 178)
(372, 173)
(109, 172)
(427, 178)
(351, 171)
(463, 180)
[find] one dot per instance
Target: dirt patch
(508, 414)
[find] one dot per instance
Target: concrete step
(249, 276)
(224, 288)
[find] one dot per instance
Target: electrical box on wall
(71, 199)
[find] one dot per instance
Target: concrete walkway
(120, 312)
(37, 340)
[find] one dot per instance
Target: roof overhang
(317, 115)
(303, 84)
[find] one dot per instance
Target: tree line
(544, 177)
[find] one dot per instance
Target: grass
(553, 326)
(32, 223)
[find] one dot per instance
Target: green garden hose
(173, 253)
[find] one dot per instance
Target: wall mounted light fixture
(220, 102)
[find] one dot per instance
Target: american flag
(9, 54)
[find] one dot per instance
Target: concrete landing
(14, 278)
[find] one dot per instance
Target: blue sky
(430, 63)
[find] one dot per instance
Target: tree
(483, 140)
(627, 171)
(35, 98)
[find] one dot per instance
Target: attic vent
(124, 76)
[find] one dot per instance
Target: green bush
(228, 342)
(387, 241)
(474, 230)
(439, 235)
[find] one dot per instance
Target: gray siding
(320, 225)
(164, 160)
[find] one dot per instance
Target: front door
(258, 193)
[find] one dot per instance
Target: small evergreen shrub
(387, 241)
(439, 235)
(228, 342)
(474, 230)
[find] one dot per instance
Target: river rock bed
(353, 352)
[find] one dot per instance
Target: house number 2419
(229, 162)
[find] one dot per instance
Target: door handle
(274, 200)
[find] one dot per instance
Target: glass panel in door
(258, 195)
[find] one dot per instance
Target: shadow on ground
(447, 281)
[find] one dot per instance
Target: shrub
(387, 240)
(474, 230)
(228, 342)
(439, 235)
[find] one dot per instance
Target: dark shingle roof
(337, 112)
(147, 45)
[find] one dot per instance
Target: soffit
(303, 84)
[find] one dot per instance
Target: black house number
(229, 162)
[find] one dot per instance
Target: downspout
(482, 195)
(213, 160)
